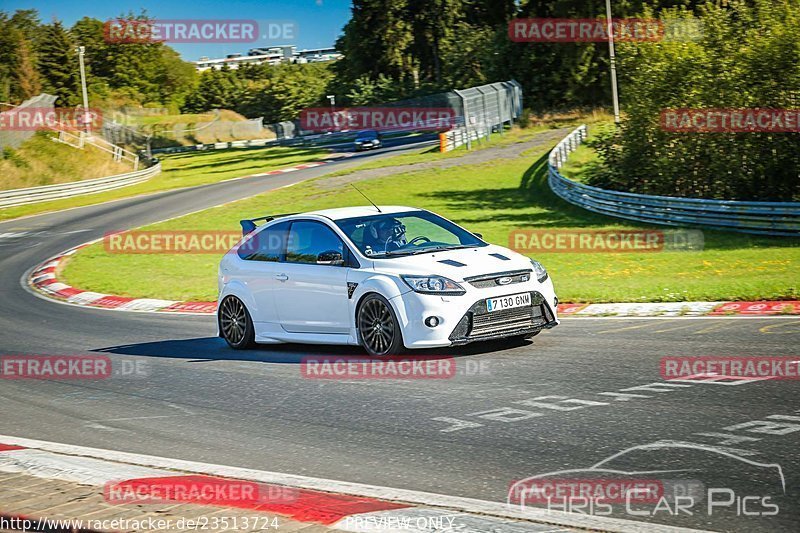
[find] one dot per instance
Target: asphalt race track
(471, 435)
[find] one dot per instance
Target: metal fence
(250, 143)
(14, 138)
(461, 136)
(44, 193)
(765, 218)
(484, 110)
(284, 130)
(81, 140)
(478, 111)
(121, 134)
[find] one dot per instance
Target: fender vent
(351, 288)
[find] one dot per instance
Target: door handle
(281, 277)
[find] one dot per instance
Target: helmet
(391, 227)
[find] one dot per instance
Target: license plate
(508, 302)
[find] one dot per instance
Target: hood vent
(500, 256)
(452, 263)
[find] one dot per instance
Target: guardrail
(44, 193)
(215, 146)
(460, 136)
(764, 218)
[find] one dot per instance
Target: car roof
(358, 211)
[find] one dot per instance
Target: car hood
(456, 264)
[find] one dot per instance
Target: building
(273, 55)
(317, 54)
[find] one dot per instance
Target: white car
(386, 278)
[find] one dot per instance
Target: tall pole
(86, 118)
(332, 98)
(613, 62)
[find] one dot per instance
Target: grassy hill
(42, 161)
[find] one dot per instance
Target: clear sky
(319, 22)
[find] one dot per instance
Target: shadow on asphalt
(215, 349)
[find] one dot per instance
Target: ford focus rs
(386, 278)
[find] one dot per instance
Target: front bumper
(366, 145)
(478, 324)
(464, 319)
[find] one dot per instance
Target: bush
(747, 57)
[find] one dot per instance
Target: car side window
(313, 243)
(266, 245)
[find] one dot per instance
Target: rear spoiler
(249, 224)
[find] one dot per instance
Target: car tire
(235, 324)
(378, 328)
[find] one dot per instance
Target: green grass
(183, 118)
(509, 137)
(581, 163)
(494, 199)
(170, 120)
(187, 170)
(41, 160)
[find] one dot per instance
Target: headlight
(433, 285)
(539, 271)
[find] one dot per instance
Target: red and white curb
(336, 504)
(328, 160)
(44, 280)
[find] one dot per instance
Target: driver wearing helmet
(387, 235)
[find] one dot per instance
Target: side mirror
(478, 235)
(330, 257)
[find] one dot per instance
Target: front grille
(479, 323)
(504, 320)
(492, 280)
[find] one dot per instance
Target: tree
(422, 46)
(58, 64)
(27, 76)
(747, 57)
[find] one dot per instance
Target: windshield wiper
(456, 247)
(427, 250)
(402, 252)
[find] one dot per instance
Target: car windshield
(406, 233)
(366, 135)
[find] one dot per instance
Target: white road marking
(136, 418)
(12, 235)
